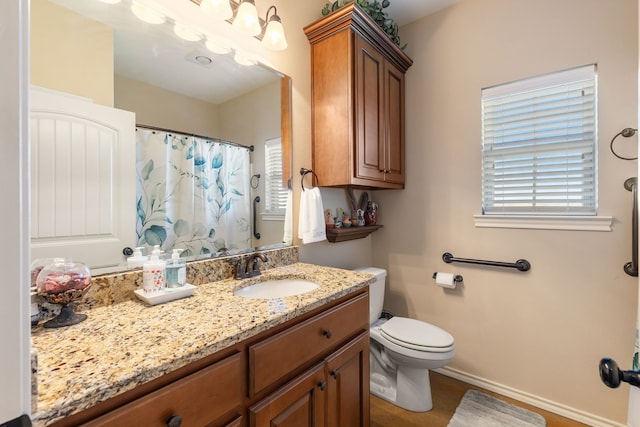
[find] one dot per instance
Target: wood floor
(447, 393)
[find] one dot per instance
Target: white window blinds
(275, 192)
(539, 145)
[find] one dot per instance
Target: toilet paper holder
(457, 278)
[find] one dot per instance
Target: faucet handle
(238, 271)
(253, 265)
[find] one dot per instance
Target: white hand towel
(311, 226)
(287, 237)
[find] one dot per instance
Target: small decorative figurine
(328, 218)
(371, 215)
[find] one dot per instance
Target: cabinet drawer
(281, 354)
(199, 398)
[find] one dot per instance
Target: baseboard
(539, 402)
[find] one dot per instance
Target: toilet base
(408, 388)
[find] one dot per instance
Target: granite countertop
(124, 345)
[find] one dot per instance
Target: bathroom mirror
(102, 52)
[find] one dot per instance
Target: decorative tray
(166, 294)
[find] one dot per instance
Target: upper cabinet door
(357, 76)
(82, 179)
(394, 117)
(369, 112)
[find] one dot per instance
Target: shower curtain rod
(222, 141)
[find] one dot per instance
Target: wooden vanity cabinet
(311, 371)
(334, 392)
(357, 85)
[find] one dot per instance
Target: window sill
(573, 223)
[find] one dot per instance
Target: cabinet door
(369, 98)
(394, 118)
(299, 403)
(348, 384)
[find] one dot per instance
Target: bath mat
(477, 409)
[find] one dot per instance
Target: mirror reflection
(98, 74)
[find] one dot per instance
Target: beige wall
(63, 60)
(295, 62)
(251, 119)
(155, 106)
(544, 331)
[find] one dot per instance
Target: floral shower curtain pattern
(192, 193)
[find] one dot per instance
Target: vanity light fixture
(273, 37)
(246, 19)
(220, 9)
(147, 14)
(186, 33)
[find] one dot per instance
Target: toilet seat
(416, 335)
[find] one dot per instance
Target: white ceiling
(406, 11)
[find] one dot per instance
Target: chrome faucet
(252, 266)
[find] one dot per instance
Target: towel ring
(303, 173)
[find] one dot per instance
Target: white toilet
(402, 352)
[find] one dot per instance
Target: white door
(15, 388)
(82, 179)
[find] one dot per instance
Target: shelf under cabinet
(335, 235)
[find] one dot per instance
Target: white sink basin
(276, 289)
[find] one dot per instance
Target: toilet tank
(376, 291)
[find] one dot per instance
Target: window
(539, 145)
(275, 192)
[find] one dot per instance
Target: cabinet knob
(334, 374)
(322, 385)
(327, 333)
(174, 421)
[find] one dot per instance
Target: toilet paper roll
(446, 280)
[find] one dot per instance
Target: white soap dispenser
(153, 272)
(137, 260)
(176, 270)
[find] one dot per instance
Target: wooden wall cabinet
(312, 371)
(357, 80)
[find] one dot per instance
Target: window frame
(273, 183)
(535, 163)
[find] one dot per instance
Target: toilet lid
(416, 335)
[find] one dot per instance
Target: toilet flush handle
(611, 375)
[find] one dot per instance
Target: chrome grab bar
(631, 268)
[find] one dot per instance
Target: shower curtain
(192, 193)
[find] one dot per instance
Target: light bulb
(219, 9)
(246, 19)
(274, 38)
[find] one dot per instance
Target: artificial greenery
(374, 9)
